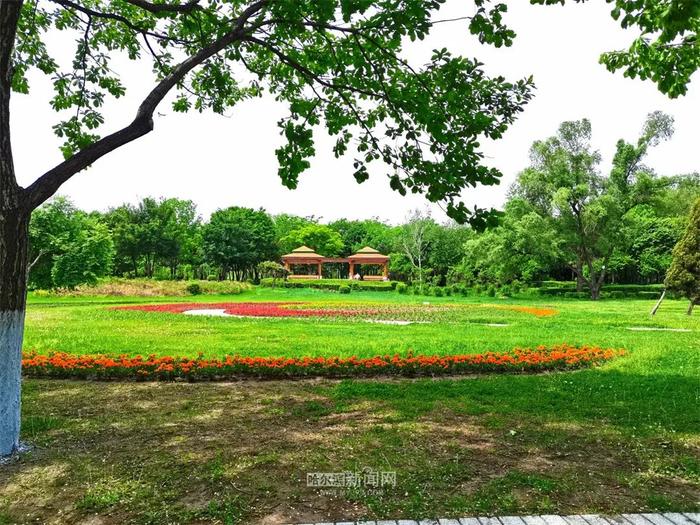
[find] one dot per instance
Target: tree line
(564, 219)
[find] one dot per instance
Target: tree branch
(36, 260)
(46, 185)
(165, 8)
(118, 18)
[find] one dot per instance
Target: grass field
(621, 437)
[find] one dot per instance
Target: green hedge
(331, 284)
(613, 291)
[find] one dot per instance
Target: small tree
(415, 242)
(683, 276)
(273, 270)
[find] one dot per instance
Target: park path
(668, 518)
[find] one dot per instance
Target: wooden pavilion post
(319, 270)
(385, 270)
(352, 270)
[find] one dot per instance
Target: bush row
(116, 286)
(338, 285)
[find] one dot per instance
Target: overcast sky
(224, 161)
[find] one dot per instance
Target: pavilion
(366, 256)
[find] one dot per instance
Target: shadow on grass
(597, 440)
(628, 401)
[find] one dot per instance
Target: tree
(88, 257)
(286, 223)
(238, 239)
(446, 244)
(524, 247)
(273, 270)
(319, 237)
(666, 51)
(415, 241)
(53, 227)
(68, 247)
(587, 209)
(683, 276)
(154, 232)
(358, 234)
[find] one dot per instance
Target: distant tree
(524, 247)
(358, 234)
(154, 232)
(666, 51)
(180, 241)
(237, 239)
(446, 247)
(683, 276)
(286, 223)
(89, 256)
(321, 238)
(415, 241)
(52, 228)
(68, 246)
(586, 209)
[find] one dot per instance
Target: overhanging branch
(166, 8)
(46, 185)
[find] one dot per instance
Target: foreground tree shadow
(594, 441)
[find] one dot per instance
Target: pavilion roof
(368, 253)
(303, 252)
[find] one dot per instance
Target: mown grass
(624, 437)
(88, 325)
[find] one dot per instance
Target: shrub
(401, 288)
(615, 294)
(491, 291)
(194, 289)
(576, 295)
(344, 289)
(438, 292)
(331, 284)
(516, 286)
(152, 288)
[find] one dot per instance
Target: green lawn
(88, 325)
(621, 437)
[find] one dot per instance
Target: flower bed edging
(519, 360)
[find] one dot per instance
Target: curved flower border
(152, 368)
(305, 309)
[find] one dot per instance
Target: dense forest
(564, 219)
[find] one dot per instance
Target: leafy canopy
(319, 237)
(684, 274)
(334, 63)
(667, 50)
(237, 238)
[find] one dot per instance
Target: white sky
(224, 161)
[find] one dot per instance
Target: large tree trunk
(690, 307)
(14, 237)
(14, 226)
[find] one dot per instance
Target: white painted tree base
(11, 331)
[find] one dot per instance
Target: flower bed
(290, 309)
(303, 309)
(519, 360)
